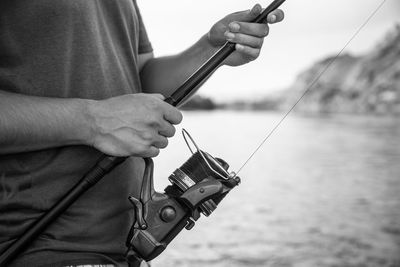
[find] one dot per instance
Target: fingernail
(234, 26)
(229, 35)
(239, 47)
(257, 9)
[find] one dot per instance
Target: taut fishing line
(317, 78)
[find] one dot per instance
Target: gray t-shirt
(69, 49)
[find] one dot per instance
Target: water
(323, 191)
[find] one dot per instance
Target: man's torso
(74, 49)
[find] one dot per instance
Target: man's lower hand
(132, 125)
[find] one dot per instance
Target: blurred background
(324, 190)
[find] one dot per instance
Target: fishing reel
(197, 187)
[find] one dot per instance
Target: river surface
(322, 191)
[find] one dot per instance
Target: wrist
(206, 44)
(207, 39)
(83, 127)
(212, 46)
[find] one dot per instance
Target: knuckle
(146, 136)
(151, 105)
(155, 104)
(154, 100)
(153, 118)
(155, 123)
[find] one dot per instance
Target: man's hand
(132, 125)
(249, 37)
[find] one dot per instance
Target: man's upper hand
(249, 37)
(132, 125)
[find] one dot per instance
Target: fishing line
(316, 79)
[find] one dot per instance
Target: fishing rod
(197, 186)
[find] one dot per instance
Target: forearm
(165, 74)
(29, 123)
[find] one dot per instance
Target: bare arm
(129, 125)
(30, 123)
(165, 74)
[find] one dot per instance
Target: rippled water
(323, 191)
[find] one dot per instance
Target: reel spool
(197, 168)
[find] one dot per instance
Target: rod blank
(189, 86)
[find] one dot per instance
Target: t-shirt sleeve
(144, 42)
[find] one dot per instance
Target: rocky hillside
(365, 84)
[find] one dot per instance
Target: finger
(160, 142)
(276, 16)
(172, 114)
(167, 129)
(151, 152)
(249, 52)
(244, 39)
(248, 15)
(254, 29)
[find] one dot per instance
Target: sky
(312, 30)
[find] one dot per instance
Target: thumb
(247, 15)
